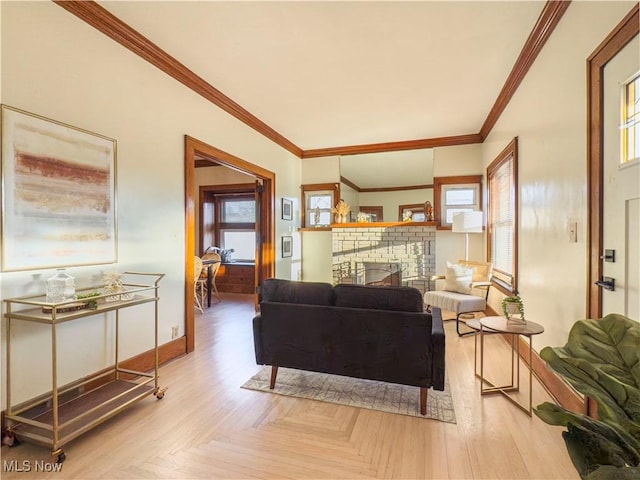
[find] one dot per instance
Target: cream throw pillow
(458, 278)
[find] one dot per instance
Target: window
(454, 195)
(502, 232)
(631, 120)
(318, 200)
(237, 225)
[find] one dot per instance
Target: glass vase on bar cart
(61, 287)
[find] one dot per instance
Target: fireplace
(391, 255)
(378, 273)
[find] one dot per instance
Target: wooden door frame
(192, 147)
(624, 32)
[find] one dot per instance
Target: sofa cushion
(403, 299)
(286, 291)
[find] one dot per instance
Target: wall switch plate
(174, 332)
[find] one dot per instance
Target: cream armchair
(465, 289)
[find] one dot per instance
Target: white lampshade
(467, 222)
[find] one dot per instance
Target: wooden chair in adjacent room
(197, 273)
(216, 261)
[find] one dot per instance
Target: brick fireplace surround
(411, 248)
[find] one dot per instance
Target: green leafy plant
(512, 299)
(601, 360)
(91, 303)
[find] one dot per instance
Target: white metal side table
(502, 325)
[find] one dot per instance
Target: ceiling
(330, 74)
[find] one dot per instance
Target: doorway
(615, 42)
(265, 229)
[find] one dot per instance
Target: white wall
(316, 245)
(66, 70)
(449, 162)
(457, 160)
(321, 170)
(350, 196)
(548, 115)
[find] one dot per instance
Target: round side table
(516, 330)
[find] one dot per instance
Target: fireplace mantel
(334, 226)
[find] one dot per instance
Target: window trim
(510, 151)
(439, 183)
(315, 187)
(624, 119)
(373, 210)
(210, 197)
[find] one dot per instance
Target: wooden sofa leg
(274, 374)
(423, 400)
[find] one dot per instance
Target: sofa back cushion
(286, 291)
(403, 299)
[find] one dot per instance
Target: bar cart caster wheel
(60, 455)
(160, 393)
(9, 439)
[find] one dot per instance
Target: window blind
(502, 215)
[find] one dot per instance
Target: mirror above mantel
(387, 184)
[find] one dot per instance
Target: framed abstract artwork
(287, 246)
(58, 194)
(287, 209)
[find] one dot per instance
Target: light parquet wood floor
(208, 427)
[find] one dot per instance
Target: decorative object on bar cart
(342, 211)
(113, 287)
(61, 287)
(513, 309)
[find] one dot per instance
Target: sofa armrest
(480, 284)
(257, 339)
(437, 277)
(437, 349)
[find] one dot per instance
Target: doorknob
(608, 283)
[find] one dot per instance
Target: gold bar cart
(68, 411)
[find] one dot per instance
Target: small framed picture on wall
(287, 209)
(287, 246)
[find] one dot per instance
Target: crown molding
(348, 182)
(104, 21)
(394, 146)
(547, 22)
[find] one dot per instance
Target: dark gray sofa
(371, 332)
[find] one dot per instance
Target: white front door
(621, 195)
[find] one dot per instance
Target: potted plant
(600, 360)
(512, 306)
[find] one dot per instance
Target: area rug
(355, 392)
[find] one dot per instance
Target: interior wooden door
(258, 194)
